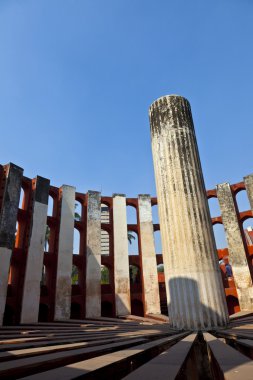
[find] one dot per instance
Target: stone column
(196, 298)
(93, 256)
(35, 255)
(65, 254)
(8, 217)
(237, 254)
(148, 257)
(121, 260)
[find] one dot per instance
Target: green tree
(105, 280)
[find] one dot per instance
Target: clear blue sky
(77, 78)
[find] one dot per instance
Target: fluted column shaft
(196, 298)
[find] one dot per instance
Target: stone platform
(108, 348)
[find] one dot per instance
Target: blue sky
(77, 78)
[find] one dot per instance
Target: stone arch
(76, 248)
(242, 200)
(43, 312)
(155, 214)
(9, 316)
(78, 211)
(131, 214)
(75, 275)
(214, 207)
(233, 304)
(134, 274)
(105, 242)
(106, 309)
(105, 275)
(137, 307)
(133, 243)
(220, 236)
(75, 311)
(50, 207)
(158, 242)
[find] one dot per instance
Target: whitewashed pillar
(65, 254)
(148, 257)
(93, 255)
(196, 298)
(121, 260)
(35, 254)
(8, 218)
(237, 254)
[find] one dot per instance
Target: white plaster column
(237, 254)
(65, 254)
(121, 260)
(93, 255)
(8, 217)
(35, 254)
(148, 257)
(196, 298)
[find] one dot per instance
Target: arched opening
(160, 273)
(133, 247)
(76, 242)
(158, 242)
(43, 281)
(43, 312)
(134, 274)
(106, 309)
(131, 215)
(248, 230)
(220, 236)
(22, 199)
(105, 275)
(137, 308)
(74, 275)
(105, 213)
(75, 311)
(105, 242)
(47, 239)
(155, 215)
(78, 211)
(233, 305)
(50, 207)
(9, 316)
(242, 201)
(160, 268)
(214, 207)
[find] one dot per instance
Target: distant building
(105, 241)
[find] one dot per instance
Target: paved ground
(130, 349)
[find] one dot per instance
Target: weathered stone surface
(34, 264)
(148, 257)
(8, 219)
(237, 254)
(93, 256)
(121, 261)
(65, 253)
(196, 298)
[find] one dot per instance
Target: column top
(170, 111)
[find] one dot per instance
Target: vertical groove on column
(93, 256)
(35, 254)
(237, 254)
(197, 298)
